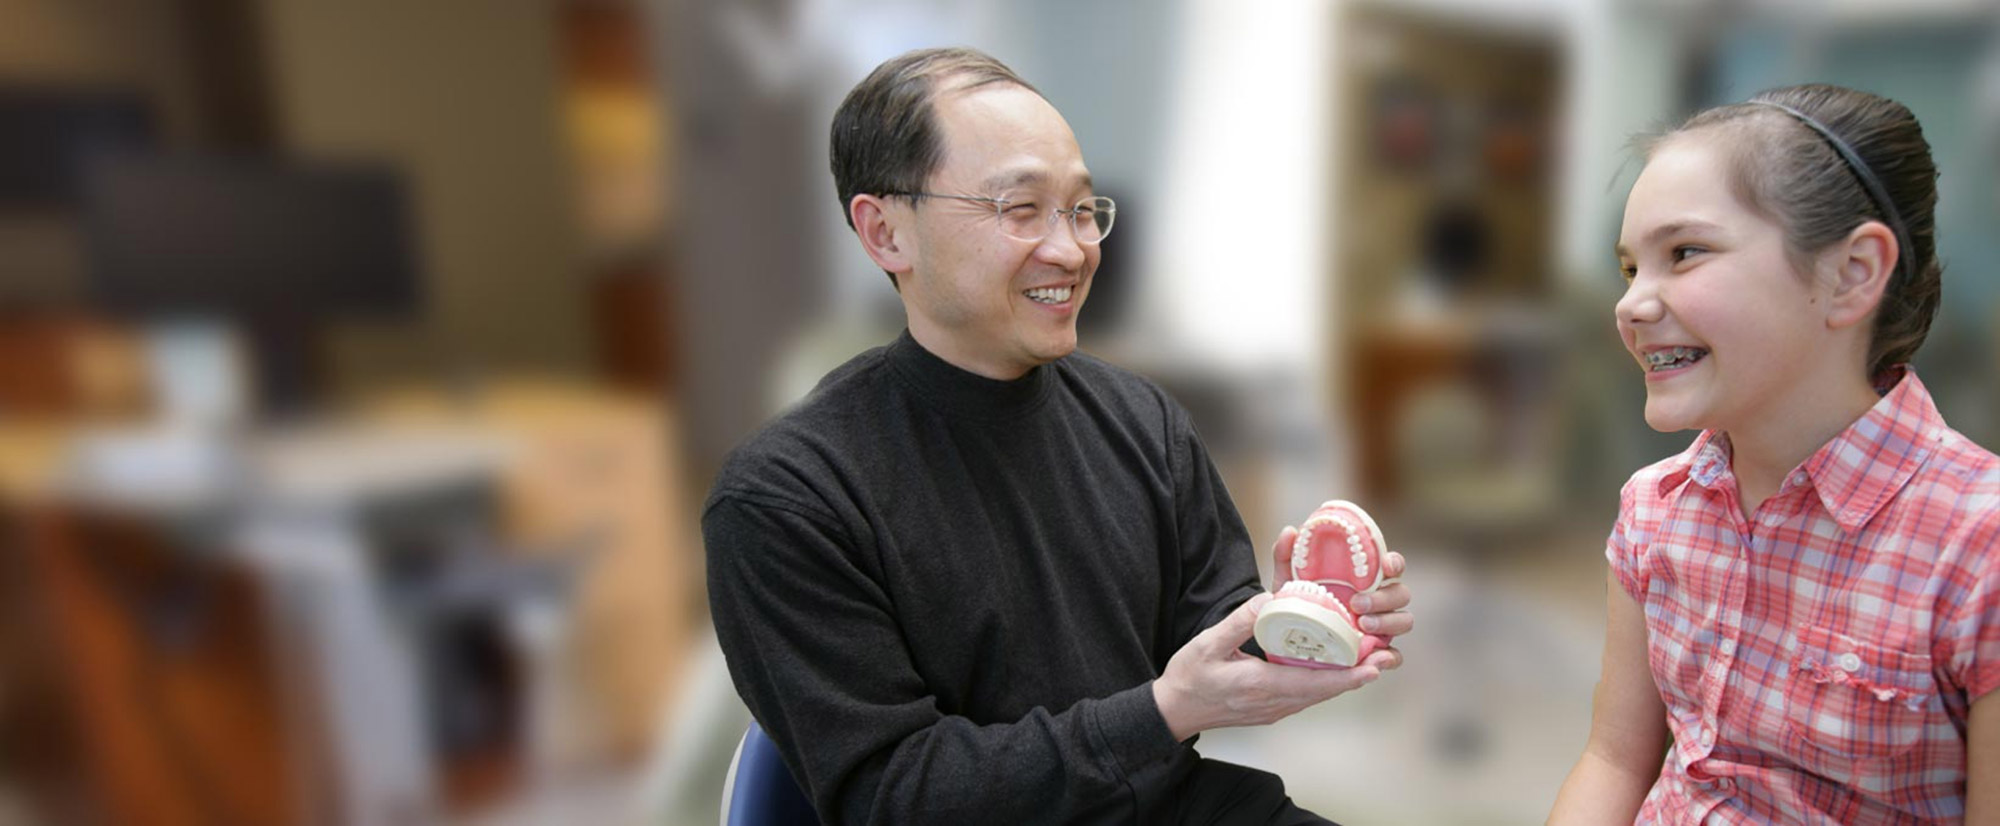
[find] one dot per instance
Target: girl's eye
(1628, 272)
(1681, 253)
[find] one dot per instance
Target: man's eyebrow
(1667, 230)
(1025, 178)
(1009, 180)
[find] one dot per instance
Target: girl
(1806, 602)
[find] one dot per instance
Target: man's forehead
(1035, 177)
(987, 106)
(1004, 136)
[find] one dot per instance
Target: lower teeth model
(1336, 557)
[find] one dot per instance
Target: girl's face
(1728, 334)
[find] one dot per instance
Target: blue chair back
(760, 791)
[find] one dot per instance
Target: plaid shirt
(1818, 658)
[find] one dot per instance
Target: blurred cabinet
(598, 467)
(157, 670)
(204, 672)
(1447, 221)
(62, 366)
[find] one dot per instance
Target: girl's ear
(885, 233)
(1863, 263)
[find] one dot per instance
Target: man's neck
(945, 347)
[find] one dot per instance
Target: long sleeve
(817, 651)
(1217, 557)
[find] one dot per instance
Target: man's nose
(1061, 248)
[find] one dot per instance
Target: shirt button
(1799, 478)
(1849, 661)
(1728, 647)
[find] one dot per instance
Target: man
(975, 576)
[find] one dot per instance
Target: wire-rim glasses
(1024, 219)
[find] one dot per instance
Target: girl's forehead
(1684, 160)
(1685, 184)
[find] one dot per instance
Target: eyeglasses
(1024, 220)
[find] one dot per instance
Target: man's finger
(1392, 624)
(1392, 597)
(1235, 629)
(1321, 683)
(1384, 659)
(1281, 553)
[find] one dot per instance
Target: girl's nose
(1640, 304)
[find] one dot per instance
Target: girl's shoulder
(1965, 461)
(1964, 478)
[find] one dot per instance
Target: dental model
(1337, 556)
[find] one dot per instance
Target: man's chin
(1056, 348)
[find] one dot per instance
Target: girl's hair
(1782, 168)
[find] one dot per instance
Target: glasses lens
(1030, 218)
(1093, 219)
(1024, 217)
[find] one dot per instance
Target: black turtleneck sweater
(946, 596)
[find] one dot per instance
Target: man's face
(988, 303)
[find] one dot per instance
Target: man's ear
(1863, 263)
(885, 233)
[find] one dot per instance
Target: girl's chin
(1666, 420)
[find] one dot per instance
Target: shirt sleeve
(814, 647)
(1625, 549)
(1218, 561)
(1973, 630)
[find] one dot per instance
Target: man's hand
(1384, 612)
(1211, 684)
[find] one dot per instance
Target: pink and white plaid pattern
(1818, 659)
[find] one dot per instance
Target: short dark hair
(1780, 168)
(885, 134)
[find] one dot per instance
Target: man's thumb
(1236, 628)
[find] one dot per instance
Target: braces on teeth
(1662, 358)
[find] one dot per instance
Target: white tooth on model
(1303, 587)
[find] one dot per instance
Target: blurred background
(363, 364)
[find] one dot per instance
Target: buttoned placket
(1729, 620)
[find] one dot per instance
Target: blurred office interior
(363, 364)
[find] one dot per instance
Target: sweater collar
(962, 392)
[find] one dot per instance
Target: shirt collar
(1706, 462)
(963, 392)
(1857, 471)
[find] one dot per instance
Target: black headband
(1868, 182)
